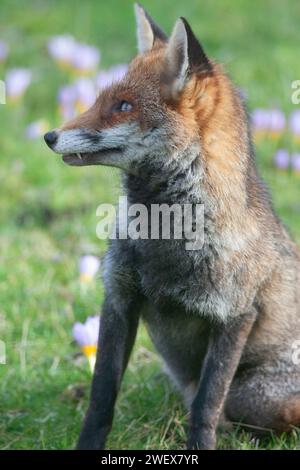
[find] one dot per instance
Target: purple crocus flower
(281, 159)
(66, 95)
(85, 93)
(3, 51)
(277, 121)
(77, 97)
(36, 129)
(260, 119)
(295, 123)
(114, 74)
(62, 49)
(17, 81)
(118, 71)
(85, 58)
(103, 79)
(296, 162)
(86, 334)
(88, 267)
(66, 100)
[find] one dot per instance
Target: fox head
(166, 105)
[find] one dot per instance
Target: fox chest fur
(212, 282)
(200, 283)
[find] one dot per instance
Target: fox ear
(147, 30)
(184, 56)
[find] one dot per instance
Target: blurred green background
(48, 219)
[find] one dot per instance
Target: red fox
(224, 317)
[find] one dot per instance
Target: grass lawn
(48, 220)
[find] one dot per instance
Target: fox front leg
(116, 338)
(222, 358)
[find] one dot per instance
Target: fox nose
(50, 138)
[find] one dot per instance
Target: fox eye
(123, 106)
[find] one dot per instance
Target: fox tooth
(79, 156)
